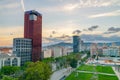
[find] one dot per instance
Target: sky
(61, 17)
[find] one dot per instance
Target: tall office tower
(33, 30)
(22, 47)
(76, 44)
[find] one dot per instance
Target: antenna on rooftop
(23, 7)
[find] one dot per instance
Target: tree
(8, 78)
(25, 65)
(9, 70)
(37, 71)
(73, 63)
(78, 56)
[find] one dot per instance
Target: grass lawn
(86, 68)
(81, 76)
(106, 77)
(88, 76)
(105, 69)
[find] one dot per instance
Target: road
(116, 72)
(58, 75)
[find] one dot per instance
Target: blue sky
(61, 16)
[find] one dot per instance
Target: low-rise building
(6, 49)
(111, 51)
(9, 60)
(105, 51)
(57, 50)
(47, 52)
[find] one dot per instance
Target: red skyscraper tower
(33, 30)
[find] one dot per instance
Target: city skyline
(91, 17)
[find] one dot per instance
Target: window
(14, 62)
(32, 17)
(7, 62)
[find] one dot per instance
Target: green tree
(8, 78)
(73, 63)
(78, 56)
(25, 65)
(37, 71)
(9, 70)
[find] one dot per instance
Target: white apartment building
(47, 52)
(56, 51)
(112, 51)
(7, 59)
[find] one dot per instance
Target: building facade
(33, 30)
(47, 52)
(9, 60)
(76, 44)
(57, 50)
(22, 48)
(112, 51)
(82, 47)
(93, 49)
(6, 49)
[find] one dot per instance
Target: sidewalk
(57, 75)
(116, 72)
(96, 73)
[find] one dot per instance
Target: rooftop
(3, 55)
(33, 12)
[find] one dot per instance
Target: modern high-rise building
(33, 30)
(22, 47)
(76, 44)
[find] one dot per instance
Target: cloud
(112, 30)
(93, 3)
(108, 32)
(7, 34)
(54, 32)
(71, 5)
(9, 5)
(100, 38)
(63, 27)
(85, 30)
(93, 28)
(108, 14)
(90, 3)
(63, 36)
(76, 32)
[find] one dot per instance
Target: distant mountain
(101, 44)
(100, 38)
(88, 39)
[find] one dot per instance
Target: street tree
(37, 71)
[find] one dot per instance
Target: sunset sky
(94, 17)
